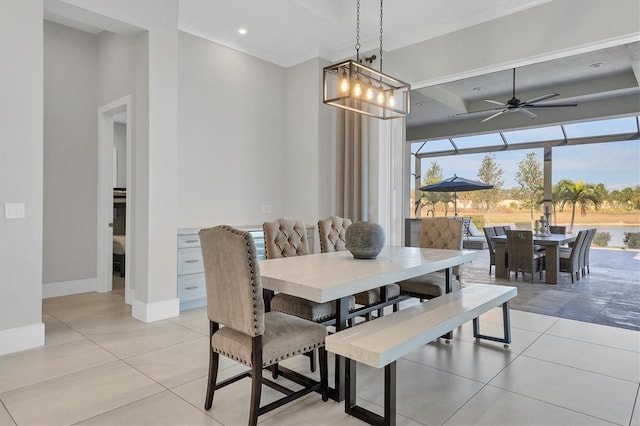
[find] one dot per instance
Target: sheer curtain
(352, 166)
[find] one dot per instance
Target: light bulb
(392, 100)
(357, 90)
(344, 84)
(369, 92)
(380, 97)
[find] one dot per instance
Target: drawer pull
(193, 287)
(191, 261)
(192, 241)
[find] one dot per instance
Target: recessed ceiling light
(596, 65)
(242, 30)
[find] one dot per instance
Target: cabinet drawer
(190, 261)
(192, 286)
(188, 240)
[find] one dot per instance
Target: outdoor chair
(489, 232)
(441, 233)
(556, 229)
(501, 230)
(249, 335)
(521, 256)
(571, 259)
(285, 238)
(333, 232)
(586, 251)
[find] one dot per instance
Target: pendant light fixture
(353, 86)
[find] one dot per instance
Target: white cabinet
(192, 289)
(191, 285)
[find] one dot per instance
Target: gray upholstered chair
(587, 250)
(521, 255)
(489, 232)
(286, 238)
(499, 230)
(250, 336)
(571, 259)
(332, 231)
(442, 233)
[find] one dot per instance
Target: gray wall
(231, 138)
(21, 172)
(70, 153)
(81, 72)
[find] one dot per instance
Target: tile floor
(100, 366)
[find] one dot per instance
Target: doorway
(109, 115)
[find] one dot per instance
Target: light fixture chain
(358, 30)
(380, 35)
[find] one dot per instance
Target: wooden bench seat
(379, 343)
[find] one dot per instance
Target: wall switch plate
(14, 210)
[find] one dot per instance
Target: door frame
(104, 259)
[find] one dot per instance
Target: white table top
(329, 276)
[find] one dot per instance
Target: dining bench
(381, 342)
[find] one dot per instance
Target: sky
(615, 164)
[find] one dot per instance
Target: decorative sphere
(365, 240)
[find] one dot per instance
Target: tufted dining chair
(286, 238)
(333, 232)
(521, 255)
(249, 335)
(441, 233)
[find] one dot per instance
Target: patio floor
(609, 295)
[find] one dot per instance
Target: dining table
(336, 276)
(551, 244)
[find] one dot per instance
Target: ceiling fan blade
(527, 113)
(482, 111)
(541, 98)
(495, 115)
(494, 102)
(551, 106)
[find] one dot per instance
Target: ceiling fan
(516, 105)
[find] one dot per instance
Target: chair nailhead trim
(267, 363)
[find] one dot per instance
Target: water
(616, 231)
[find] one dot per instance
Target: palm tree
(577, 193)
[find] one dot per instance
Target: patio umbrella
(456, 184)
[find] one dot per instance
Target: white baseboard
(21, 338)
(149, 312)
(66, 288)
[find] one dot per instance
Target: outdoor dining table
(550, 244)
(335, 276)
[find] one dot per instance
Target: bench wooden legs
(351, 408)
(506, 322)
